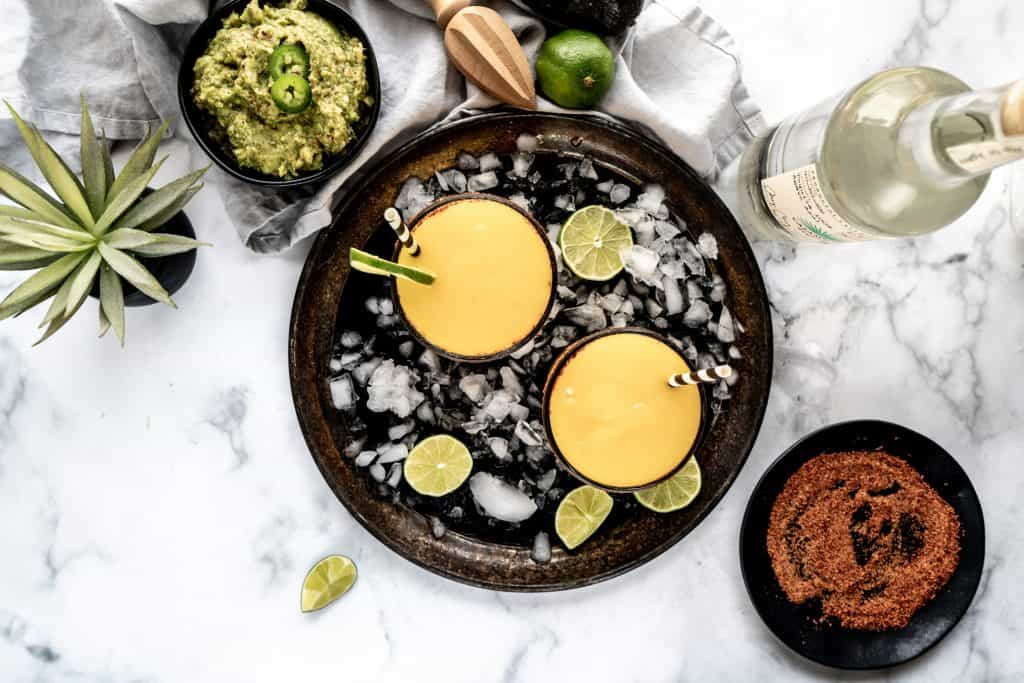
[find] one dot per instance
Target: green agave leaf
(104, 323)
(39, 286)
(81, 281)
(8, 211)
(157, 202)
(57, 173)
(167, 245)
(20, 226)
(161, 218)
(135, 273)
(108, 164)
(93, 172)
(23, 191)
(17, 257)
(60, 300)
(118, 203)
(138, 163)
(112, 300)
(58, 323)
(47, 242)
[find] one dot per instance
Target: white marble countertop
(158, 507)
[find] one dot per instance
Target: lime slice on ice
(590, 242)
(374, 265)
(328, 580)
(580, 514)
(675, 493)
(438, 465)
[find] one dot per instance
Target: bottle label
(979, 157)
(799, 205)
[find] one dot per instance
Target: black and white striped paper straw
(701, 376)
(394, 219)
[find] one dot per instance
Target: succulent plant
(93, 230)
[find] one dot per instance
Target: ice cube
(510, 382)
(673, 296)
(430, 361)
(718, 289)
(587, 169)
(566, 294)
(519, 412)
(645, 232)
(588, 316)
(619, 320)
(474, 426)
(568, 169)
(334, 365)
(499, 499)
(372, 305)
(351, 339)
(343, 394)
(386, 322)
(541, 552)
(708, 245)
(387, 306)
(499, 405)
(349, 359)
(527, 434)
(520, 200)
(521, 163)
(395, 475)
(692, 258)
(425, 413)
(483, 181)
(666, 230)
(611, 302)
(673, 268)
(411, 189)
(527, 142)
(547, 480)
(721, 391)
(565, 202)
(726, 331)
(489, 162)
(401, 430)
(619, 193)
(735, 353)
(642, 264)
(621, 288)
(651, 198)
(523, 350)
(475, 387)
(606, 186)
(698, 314)
(627, 309)
(392, 387)
(354, 447)
(499, 446)
(631, 217)
(365, 458)
(406, 348)
(653, 308)
(455, 179)
(660, 323)
(378, 472)
(466, 162)
(363, 371)
(392, 452)
(437, 528)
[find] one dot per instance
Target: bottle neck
(956, 138)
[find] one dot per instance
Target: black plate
(844, 648)
(200, 123)
(328, 299)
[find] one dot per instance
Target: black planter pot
(171, 271)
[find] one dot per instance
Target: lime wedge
(328, 580)
(374, 265)
(580, 514)
(590, 242)
(675, 493)
(438, 465)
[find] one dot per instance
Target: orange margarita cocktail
(495, 278)
(612, 417)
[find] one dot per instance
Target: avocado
(606, 17)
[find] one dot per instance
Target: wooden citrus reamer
(483, 47)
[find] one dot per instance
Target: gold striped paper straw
(705, 376)
(394, 219)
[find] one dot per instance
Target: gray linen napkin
(678, 79)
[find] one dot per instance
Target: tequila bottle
(904, 153)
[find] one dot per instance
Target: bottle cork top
(1013, 110)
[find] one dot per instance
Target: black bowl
(200, 123)
(797, 625)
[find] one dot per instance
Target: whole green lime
(575, 69)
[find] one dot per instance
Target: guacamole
(233, 84)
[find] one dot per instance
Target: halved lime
(675, 493)
(438, 465)
(374, 265)
(590, 242)
(580, 514)
(328, 580)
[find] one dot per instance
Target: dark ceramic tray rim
(795, 451)
(193, 116)
(643, 144)
(559, 364)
